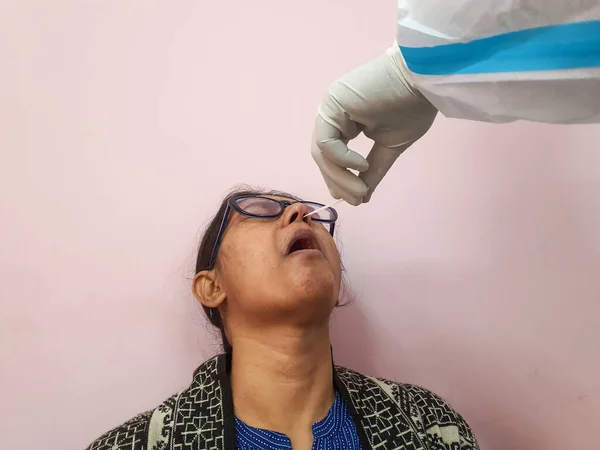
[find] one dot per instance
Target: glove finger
(338, 191)
(341, 182)
(332, 144)
(351, 189)
(380, 159)
(333, 189)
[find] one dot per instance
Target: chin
(315, 284)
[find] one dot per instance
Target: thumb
(380, 159)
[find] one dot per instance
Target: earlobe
(207, 289)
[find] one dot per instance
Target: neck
(283, 381)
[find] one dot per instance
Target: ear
(207, 290)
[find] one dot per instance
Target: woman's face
(270, 267)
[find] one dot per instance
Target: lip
(306, 234)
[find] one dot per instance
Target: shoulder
(130, 436)
(146, 431)
(158, 428)
(436, 423)
(442, 425)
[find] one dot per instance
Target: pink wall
(122, 123)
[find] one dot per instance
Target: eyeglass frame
(232, 205)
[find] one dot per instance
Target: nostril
(294, 217)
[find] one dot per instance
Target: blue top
(335, 432)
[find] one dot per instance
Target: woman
(269, 278)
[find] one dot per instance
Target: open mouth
(303, 240)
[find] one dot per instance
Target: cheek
(333, 257)
(332, 254)
(245, 256)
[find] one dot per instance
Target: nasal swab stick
(323, 207)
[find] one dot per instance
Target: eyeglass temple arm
(213, 255)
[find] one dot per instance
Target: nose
(295, 212)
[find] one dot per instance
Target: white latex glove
(375, 99)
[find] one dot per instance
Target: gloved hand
(375, 99)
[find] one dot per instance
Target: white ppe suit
(486, 60)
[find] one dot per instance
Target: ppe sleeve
(493, 61)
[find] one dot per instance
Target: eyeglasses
(268, 208)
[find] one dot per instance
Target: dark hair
(208, 242)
